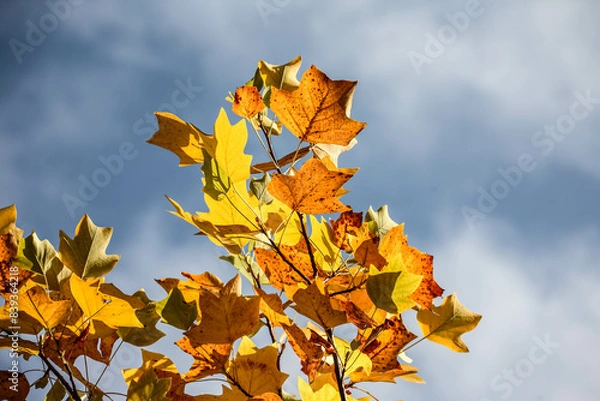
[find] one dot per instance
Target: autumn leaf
(381, 220)
(247, 102)
(85, 254)
(209, 359)
(226, 316)
(48, 313)
(348, 223)
(255, 369)
(314, 303)
(277, 265)
(148, 316)
(8, 386)
(181, 138)
(394, 247)
(313, 190)
(445, 324)
(316, 112)
(272, 307)
(310, 353)
(326, 254)
(105, 313)
(176, 311)
(149, 387)
(281, 76)
(390, 289)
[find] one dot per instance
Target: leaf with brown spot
(310, 353)
(316, 111)
(313, 190)
(395, 246)
(6, 386)
(10, 276)
(384, 343)
(247, 102)
(279, 272)
(348, 223)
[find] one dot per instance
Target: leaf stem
(339, 375)
(71, 388)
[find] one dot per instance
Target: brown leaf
(209, 359)
(348, 223)
(316, 111)
(14, 387)
(310, 353)
(279, 272)
(10, 276)
(313, 190)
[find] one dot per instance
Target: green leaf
(35, 255)
(149, 334)
(175, 311)
(85, 254)
(390, 291)
(258, 186)
(149, 388)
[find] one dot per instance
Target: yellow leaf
(36, 303)
(105, 313)
(327, 255)
(255, 370)
(445, 324)
(229, 153)
(181, 138)
(280, 76)
(313, 190)
(314, 303)
(316, 111)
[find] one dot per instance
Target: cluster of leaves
(311, 277)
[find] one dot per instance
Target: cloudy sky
(482, 136)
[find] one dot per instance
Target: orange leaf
(348, 223)
(367, 254)
(313, 190)
(209, 359)
(247, 102)
(384, 343)
(279, 272)
(10, 276)
(395, 244)
(309, 352)
(226, 316)
(316, 111)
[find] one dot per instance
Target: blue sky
(454, 92)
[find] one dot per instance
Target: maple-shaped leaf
(85, 254)
(313, 190)
(209, 359)
(280, 76)
(286, 267)
(8, 386)
(181, 138)
(272, 307)
(149, 387)
(394, 247)
(314, 303)
(446, 323)
(348, 223)
(226, 316)
(391, 288)
(163, 368)
(384, 343)
(104, 312)
(255, 369)
(309, 352)
(148, 316)
(316, 111)
(48, 313)
(326, 254)
(227, 164)
(176, 311)
(247, 102)
(382, 223)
